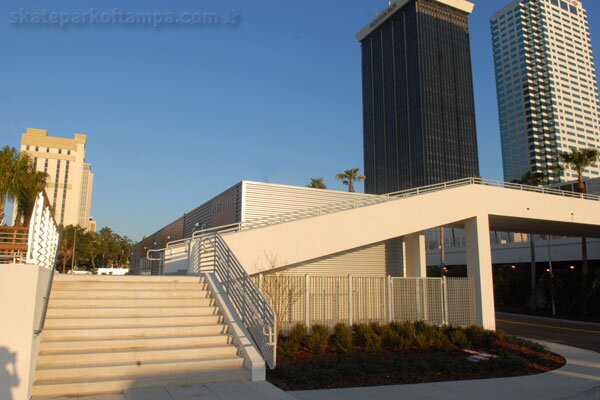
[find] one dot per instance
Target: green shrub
(527, 344)
(288, 346)
(377, 328)
(343, 341)
(390, 338)
(422, 341)
(406, 330)
(458, 337)
(299, 333)
(364, 336)
(480, 337)
(318, 341)
(501, 335)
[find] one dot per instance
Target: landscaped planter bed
(402, 353)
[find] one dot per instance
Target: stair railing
(253, 307)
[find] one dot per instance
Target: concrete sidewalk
(209, 391)
(579, 379)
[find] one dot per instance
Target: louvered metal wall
(267, 199)
(221, 210)
(381, 259)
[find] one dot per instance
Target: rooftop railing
(371, 200)
(403, 194)
(13, 244)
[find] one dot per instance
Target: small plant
(365, 336)
(299, 333)
(406, 330)
(317, 342)
(480, 337)
(526, 343)
(290, 345)
(377, 328)
(343, 340)
(390, 338)
(458, 337)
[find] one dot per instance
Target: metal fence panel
(461, 301)
(329, 300)
(406, 299)
(370, 300)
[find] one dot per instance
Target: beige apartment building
(546, 83)
(70, 179)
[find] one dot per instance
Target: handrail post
(307, 300)
(445, 300)
(390, 299)
(350, 301)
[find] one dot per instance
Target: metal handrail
(350, 204)
(220, 229)
(255, 310)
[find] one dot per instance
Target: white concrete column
(415, 256)
(479, 268)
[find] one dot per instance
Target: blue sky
(177, 114)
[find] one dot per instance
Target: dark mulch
(305, 370)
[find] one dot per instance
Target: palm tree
(317, 183)
(579, 160)
(27, 184)
(532, 179)
(349, 176)
(8, 162)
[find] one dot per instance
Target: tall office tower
(70, 179)
(418, 107)
(546, 84)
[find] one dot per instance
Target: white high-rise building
(70, 179)
(546, 84)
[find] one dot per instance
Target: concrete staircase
(109, 334)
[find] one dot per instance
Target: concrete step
(97, 285)
(94, 346)
(128, 279)
(133, 332)
(134, 303)
(129, 294)
(86, 387)
(116, 370)
(77, 360)
(95, 322)
(131, 312)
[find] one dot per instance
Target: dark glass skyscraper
(418, 107)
